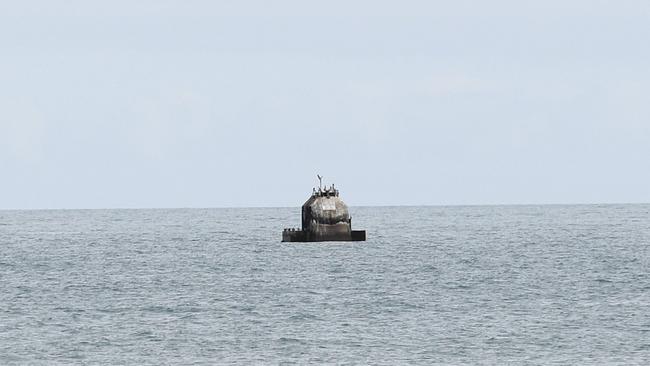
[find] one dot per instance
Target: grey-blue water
(432, 285)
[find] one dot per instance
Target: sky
(138, 104)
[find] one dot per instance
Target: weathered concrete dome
(326, 210)
(325, 217)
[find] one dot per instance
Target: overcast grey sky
(209, 104)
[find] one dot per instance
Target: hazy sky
(209, 104)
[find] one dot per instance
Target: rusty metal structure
(325, 217)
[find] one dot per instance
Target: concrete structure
(324, 218)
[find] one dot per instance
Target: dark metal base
(305, 236)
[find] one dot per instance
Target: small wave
(301, 317)
(158, 309)
(291, 340)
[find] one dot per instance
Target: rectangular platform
(289, 235)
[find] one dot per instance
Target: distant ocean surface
(432, 285)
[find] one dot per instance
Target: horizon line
(353, 206)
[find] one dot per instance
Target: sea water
(431, 285)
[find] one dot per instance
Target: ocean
(479, 285)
